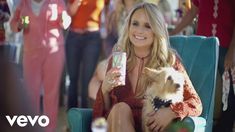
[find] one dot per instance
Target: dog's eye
(177, 85)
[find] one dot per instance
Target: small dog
(166, 88)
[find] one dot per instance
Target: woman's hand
(229, 61)
(20, 26)
(158, 120)
(111, 80)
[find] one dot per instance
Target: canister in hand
(119, 60)
(25, 21)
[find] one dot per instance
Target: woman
(146, 42)
(43, 53)
(115, 19)
(83, 46)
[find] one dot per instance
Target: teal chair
(200, 56)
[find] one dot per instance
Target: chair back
(200, 57)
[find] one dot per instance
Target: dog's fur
(167, 85)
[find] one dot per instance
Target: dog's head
(166, 82)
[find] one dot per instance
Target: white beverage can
(119, 60)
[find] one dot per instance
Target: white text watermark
(23, 120)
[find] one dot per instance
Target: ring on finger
(111, 81)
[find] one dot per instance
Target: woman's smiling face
(140, 32)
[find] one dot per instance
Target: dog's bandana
(159, 103)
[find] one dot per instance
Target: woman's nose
(140, 30)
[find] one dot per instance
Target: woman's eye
(134, 23)
(148, 26)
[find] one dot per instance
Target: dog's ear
(152, 73)
(169, 78)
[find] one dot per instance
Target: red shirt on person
(216, 18)
(88, 14)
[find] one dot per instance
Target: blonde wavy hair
(161, 55)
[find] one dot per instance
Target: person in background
(165, 8)
(83, 47)
(4, 17)
(42, 22)
(114, 22)
(12, 37)
(217, 18)
(146, 42)
(13, 98)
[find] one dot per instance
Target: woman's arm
(73, 7)
(15, 22)
(186, 20)
(102, 102)
(191, 106)
(229, 61)
(111, 81)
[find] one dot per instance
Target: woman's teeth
(139, 37)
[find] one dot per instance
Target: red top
(88, 14)
(191, 106)
(219, 14)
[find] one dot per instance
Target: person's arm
(191, 105)
(186, 20)
(94, 86)
(229, 61)
(111, 81)
(99, 105)
(97, 79)
(15, 22)
(65, 19)
(102, 102)
(73, 7)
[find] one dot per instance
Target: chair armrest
(199, 123)
(79, 119)
(191, 124)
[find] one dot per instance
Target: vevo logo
(22, 120)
